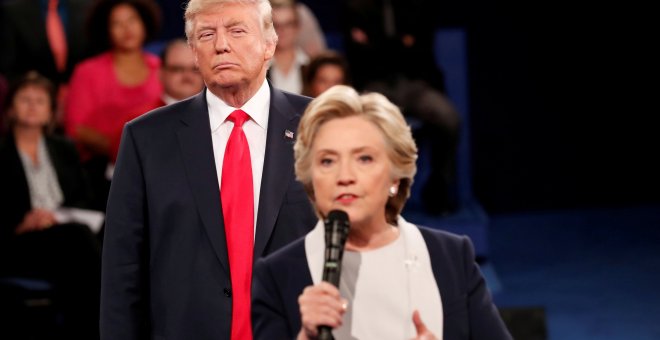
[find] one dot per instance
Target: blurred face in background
(351, 170)
(285, 21)
(326, 77)
(31, 107)
(179, 75)
(127, 31)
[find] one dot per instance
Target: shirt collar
(256, 107)
(168, 99)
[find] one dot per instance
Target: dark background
(561, 113)
(561, 100)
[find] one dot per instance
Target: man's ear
(270, 50)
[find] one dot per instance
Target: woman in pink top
(120, 83)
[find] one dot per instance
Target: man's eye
(205, 35)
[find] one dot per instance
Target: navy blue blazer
(468, 310)
(165, 272)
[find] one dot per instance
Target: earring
(392, 191)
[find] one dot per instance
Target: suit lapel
(197, 150)
(278, 167)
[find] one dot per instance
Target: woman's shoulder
(59, 140)
(89, 68)
(7, 145)
(153, 61)
(61, 145)
(445, 241)
(102, 59)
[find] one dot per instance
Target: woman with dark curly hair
(114, 86)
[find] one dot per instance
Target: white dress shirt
(255, 130)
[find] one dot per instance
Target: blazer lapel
(278, 167)
(197, 150)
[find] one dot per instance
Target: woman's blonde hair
(195, 7)
(343, 101)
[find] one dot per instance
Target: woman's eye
(325, 161)
(365, 158)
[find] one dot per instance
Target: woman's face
(351, 170)
(127, 31)
(31, 107)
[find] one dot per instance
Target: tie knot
(238, 117)
(52, 4)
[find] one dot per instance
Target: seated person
(324, 71)
(178, 73)
(399, 281)
(40, 174)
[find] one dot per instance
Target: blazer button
(227, 292)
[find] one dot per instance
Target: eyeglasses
(180, 69)
(285, 25)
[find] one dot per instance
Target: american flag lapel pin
(288, 134)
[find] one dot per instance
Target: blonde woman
(399, 281)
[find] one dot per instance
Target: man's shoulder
(165, 115)
(297, 101)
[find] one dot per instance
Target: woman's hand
(422, 332)
(36, 219)
(320, 304)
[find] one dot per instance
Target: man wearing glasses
(178, 74)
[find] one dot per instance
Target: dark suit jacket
(468, 310)
(15, 193)
(165, 272)
(24, 42)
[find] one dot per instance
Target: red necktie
(56, 35)
(238, 210)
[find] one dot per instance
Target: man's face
(229, 46)
(180, 76)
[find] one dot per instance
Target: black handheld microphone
(336, 231)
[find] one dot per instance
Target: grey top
(376, 285)
(45, 191)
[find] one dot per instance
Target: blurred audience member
(310, 38)
(178, 73)
(39, 175)
(287, 65)
(4, 87)
(327, 69)
(47, 36)
(389, 44)
(115, 86)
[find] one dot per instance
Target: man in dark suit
(170, 268)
